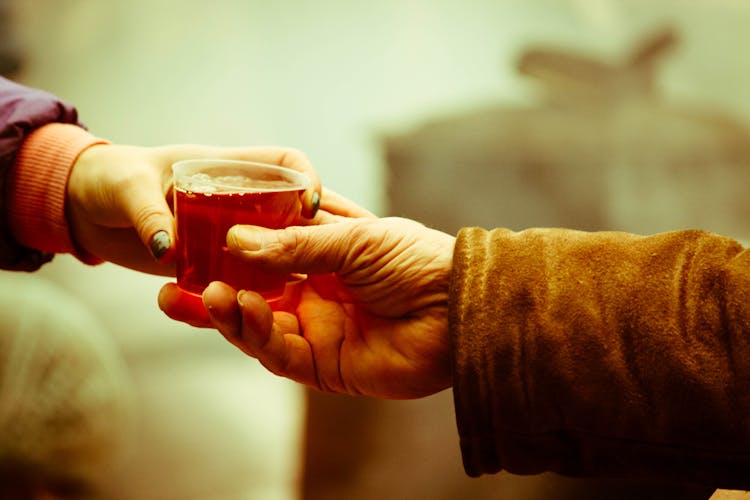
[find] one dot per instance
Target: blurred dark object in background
(601, 149)
(11, 53)
(589, 153)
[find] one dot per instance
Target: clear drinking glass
(210, 196)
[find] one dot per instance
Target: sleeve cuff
(38, 186)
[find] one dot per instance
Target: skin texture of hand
(370, 319)
(119, 198)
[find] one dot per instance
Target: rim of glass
(298, 179)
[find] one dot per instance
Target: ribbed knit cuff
(38, 186)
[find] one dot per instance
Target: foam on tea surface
(204, 183)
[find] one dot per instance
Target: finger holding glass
(370, 319)
(119, 197)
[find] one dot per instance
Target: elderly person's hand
(119, 198)
(370, 319)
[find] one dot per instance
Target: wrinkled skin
(370, 319)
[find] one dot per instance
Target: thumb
(295, 249)
(149, 213)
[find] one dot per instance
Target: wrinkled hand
(119, 198)
(370, 319)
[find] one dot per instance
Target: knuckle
(289, 242)
(146, 219)
(294, 158)
(277, 247)
(294, 155)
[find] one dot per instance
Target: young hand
(119, 198)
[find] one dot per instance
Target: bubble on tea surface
(250, 184)
(204, 183)
(198, 183)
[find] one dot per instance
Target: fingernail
(248, 239)
(241, 297)
(315, 203)
(160, 243)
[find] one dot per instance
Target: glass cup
(210, 196)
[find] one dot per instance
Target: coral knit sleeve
(38, 185)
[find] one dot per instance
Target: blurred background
(593, 114)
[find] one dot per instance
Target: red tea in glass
(210, 196)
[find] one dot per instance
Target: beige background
(331, 77)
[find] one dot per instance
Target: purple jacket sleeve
(22, 110)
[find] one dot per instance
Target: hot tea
(207, 205)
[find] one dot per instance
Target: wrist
(442, 286)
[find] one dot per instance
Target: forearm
(602, 354)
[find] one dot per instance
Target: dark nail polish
(315, 203)
(160, 243)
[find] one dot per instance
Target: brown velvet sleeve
(603, 354)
